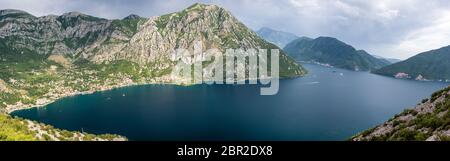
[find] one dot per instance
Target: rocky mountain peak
(132, 17)
(201, 6)
(206, 9)
(79, 16)
(73, 14)
(206, 22)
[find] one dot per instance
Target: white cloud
(434, 36)
(305, 3)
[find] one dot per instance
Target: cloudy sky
(389, 28)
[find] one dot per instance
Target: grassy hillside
(431, 65)
(332, 52)
(429, 120)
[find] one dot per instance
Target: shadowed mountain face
(332, 52)
(430, 65)
(279, 38)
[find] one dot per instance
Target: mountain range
(332, 52)
(430, 65)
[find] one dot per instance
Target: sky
(388, 28)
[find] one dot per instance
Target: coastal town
(65, 83)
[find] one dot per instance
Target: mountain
(390, 60)
(46, 58)
(332, 52)
(279, 38)
(430, 65)
(393, 60)
(430, 121)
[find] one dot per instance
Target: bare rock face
(83, 37)
(66, 34)
(428, 121)
(3, 87)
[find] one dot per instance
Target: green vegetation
(74, 19)
(30, 78)
(419, 126)
(444, 138)
(407, 112)
(428, 121)
(327, 50)
(128, 26)
(408, 135)
(432, 65)
(14, 130)
(437, 94)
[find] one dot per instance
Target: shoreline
(10, 110)
(13, 108)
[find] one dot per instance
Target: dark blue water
(324, 105)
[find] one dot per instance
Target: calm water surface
(327, 104)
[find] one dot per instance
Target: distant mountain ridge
(390, 60)
(430, 65)
(279, 38)
(330, 51)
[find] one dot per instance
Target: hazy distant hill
(279, 38)
(393, 60)
(390, 60)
